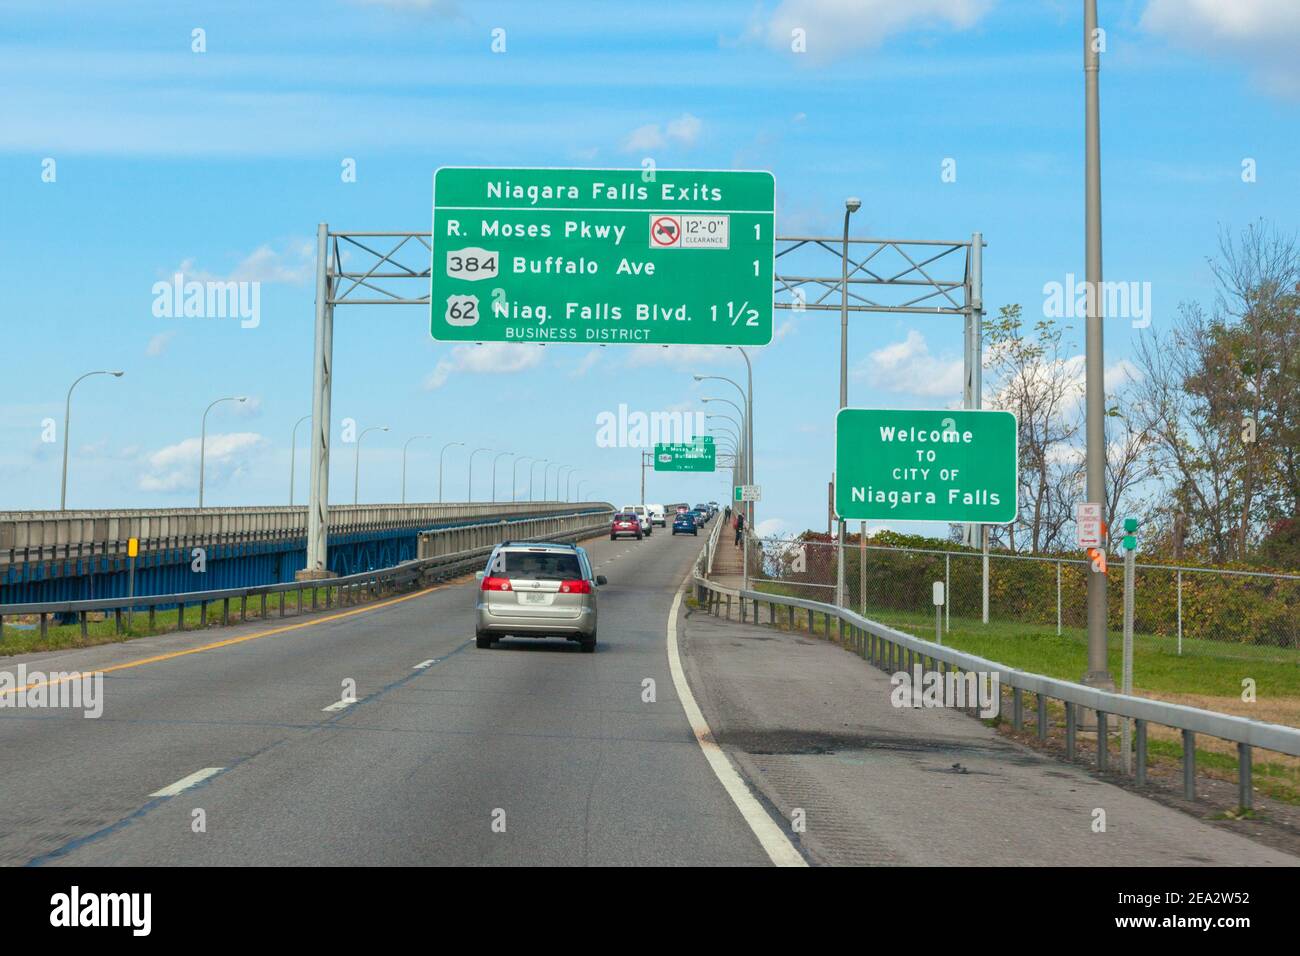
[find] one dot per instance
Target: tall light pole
(568, 484)
(494, 472)
(356, 460)
(406, 445)
(469, 493)
(203, 437)
(540, 461)
(584, 481)
(67, 418)
(546, 476)
(450, 444)
(558, 472)
(293, 453)
(851, 205)
(514, 474)
(749, 410)
(1098, 674)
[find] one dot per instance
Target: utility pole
(644, 456)
(1098, 674)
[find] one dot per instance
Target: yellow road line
(157, 658)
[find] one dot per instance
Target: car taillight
(575, 587)
(496, 584)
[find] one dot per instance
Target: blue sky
(221, 164)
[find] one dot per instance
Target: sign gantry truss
(919, 277)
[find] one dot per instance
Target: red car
(625, 524)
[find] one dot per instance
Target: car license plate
(527, 598)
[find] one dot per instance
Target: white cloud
(158, 344)
(293, 263)
(678, 356)
(1263, 33)
(587, 363)
(488, 358)
(772, 527)
(683, 131)
(908, 367)
(834, 27)
(176, 467)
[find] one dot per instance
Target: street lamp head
(117, 374)
(853, 204)
(698, 378)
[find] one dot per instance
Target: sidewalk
(728, 562)
(812, 728)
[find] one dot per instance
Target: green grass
(22, 640)
(1205, 667)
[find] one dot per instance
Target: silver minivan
(537, 589)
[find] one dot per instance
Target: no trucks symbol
(665, 231)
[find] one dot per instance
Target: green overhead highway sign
(940, 465)
(598, 256)
(699, 455)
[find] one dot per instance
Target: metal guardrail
(893, 650)
(338, 591)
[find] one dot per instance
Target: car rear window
(544, 565)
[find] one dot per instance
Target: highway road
(444, 744)
(534, 753)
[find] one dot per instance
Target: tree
(1034, 380)
(1220, 397)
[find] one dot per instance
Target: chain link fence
(1226, 613)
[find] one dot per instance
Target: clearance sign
(926, 465)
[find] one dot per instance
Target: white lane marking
(194, 779)
(775, 843)
(339, 705)
(423, 664)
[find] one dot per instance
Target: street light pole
(546, 476)
(1098, 674)
(568, 484)
(494, 472)
(469, 492)
(67, 419)
(203, 437)
(514, 474)
(404, 447)
(450, 444)
(293, 453)
(356, 460)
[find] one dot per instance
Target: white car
(642, 515)
(658, 515)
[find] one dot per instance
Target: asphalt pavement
(528, 753)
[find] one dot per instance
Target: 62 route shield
(599, 256)
(926, 465)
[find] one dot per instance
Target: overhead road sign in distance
(698, 455)
(931, 465)
(748, 493)
(603, 256)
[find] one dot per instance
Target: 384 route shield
(603, 256)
